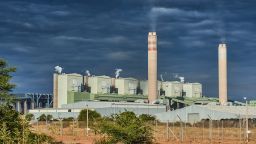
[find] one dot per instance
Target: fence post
(181, 128)
(167, 130)
(210, 128)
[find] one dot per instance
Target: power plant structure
(164, 99)
(71, 88)
(222, 55)
(152, 67)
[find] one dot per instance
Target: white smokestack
(118, 72)
(88, 73)
(223, 74)
(58, 69)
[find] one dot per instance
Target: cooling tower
(152, 67)
(222, 74)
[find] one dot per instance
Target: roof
(102, 76)
(214, 112)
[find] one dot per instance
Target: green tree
(125, 128)
(13, 128)
(5, 85)
(5, 134)
(92, 115)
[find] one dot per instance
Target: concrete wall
(62, 90)
(126, 86)
(172, 89)
(75, 82)
(144, 87)
(99, 84)
(192, 90)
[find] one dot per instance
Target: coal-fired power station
(152, 67)
(222, 74)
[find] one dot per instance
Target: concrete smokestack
(222, 74)
(152, 67)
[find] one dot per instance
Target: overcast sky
(36, 35)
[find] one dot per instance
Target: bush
(147, 118)
(92, 115)
(125, 128)
(44, 117)
(49, 117)
(68, 119)
(29, 116)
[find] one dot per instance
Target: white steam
(58, 69)
(152, 16)
(181, 78)
(88, 73)
(118, 72)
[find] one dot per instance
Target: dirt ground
(175, 135)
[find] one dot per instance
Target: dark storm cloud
(101, 36)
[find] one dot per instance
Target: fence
(205, 132)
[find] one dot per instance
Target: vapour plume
(161, 76)
(182, 79)
(58, 69)
(218, 17)
(152, 16)
(88, 73)
(153, 21)
(176, 75)
(118, 72)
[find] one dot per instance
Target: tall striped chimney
(222, 74)
(152, 67)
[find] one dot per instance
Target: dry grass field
(72, 134)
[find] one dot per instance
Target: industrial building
(99, 84)
(71, 88)
(126, 86)
(104, 108)
(192, 90)
(196, 113)
(64, 83)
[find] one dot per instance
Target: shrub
(92, 115)
(147, 118)
(29, 116)
(42, 117)
(125, 128)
